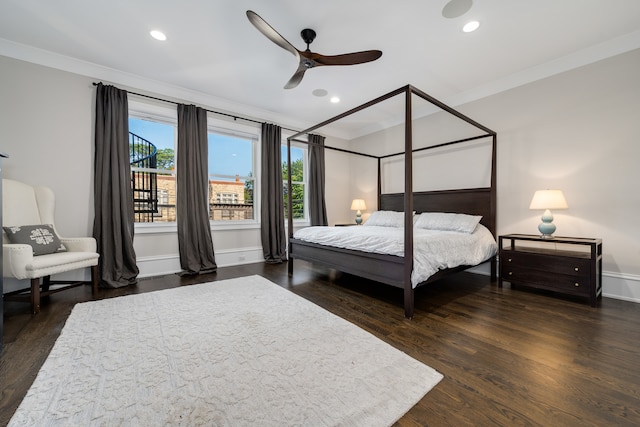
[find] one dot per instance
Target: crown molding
(142, 84)
(592, 54)
(572, 61)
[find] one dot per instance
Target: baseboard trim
(170, 264)
(621, 286)
(615, 285)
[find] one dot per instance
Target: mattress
(433, 250)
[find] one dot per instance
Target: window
(233, 150)
(227, 198)
(163, 196)
(298, 182)
(152, 158)
(231, 175)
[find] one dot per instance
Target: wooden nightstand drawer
(569, 284)
(547, 262)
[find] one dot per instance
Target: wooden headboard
(471, 201)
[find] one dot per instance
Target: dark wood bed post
(379, 181)
(494, 206)
(408, 206)
(289, 208)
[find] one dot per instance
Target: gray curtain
(113, 224)
(317, 205)
(192, 181)
(274, 242)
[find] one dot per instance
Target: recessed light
(335, 99)
(158, 35)
(470, 26)
(320, 92)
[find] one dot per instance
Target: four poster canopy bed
(457, 213)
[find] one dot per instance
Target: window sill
(172, 227)
(156, 228)
(234, 225)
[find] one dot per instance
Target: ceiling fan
(306, 58)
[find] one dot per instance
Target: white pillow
(448, 221)
(386, 219)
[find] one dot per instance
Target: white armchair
(24, 205)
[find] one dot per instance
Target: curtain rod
(209, 111)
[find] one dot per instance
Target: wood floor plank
(509, 356)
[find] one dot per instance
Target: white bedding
(432, 250)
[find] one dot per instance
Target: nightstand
(567, 265)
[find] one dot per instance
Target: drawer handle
(576, 269)
(509, 260)
(510, 273)
(576, 284)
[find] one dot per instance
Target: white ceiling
(214, 56)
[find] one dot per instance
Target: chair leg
(35, 295)
(94, 279)
(45, 283)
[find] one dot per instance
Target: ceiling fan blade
(297, 77)
(346, 59)
(270, 33)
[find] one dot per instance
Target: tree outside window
(298, 182)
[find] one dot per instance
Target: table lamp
(358, 205)
(547, 200)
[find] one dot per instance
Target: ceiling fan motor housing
(308, 35)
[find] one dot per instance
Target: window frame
(305, 173)
(252, 133)
(164, 115)
(168, 115)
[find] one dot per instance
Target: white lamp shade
(358, 205)
(548, 199)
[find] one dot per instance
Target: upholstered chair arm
(79, 244)
(15, 258)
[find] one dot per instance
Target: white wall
(337, 176)
(577, 131)
(46, 127)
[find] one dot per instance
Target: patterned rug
(234, 352)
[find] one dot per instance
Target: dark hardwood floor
(509, 356)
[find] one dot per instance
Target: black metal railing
(143, 154)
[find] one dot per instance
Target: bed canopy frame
(391, 269)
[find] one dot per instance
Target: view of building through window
(231, 177)
(152, 148)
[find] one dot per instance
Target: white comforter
(432, 250)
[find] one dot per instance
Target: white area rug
(235, 352)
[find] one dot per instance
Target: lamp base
(547, 227)
(358, 217)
